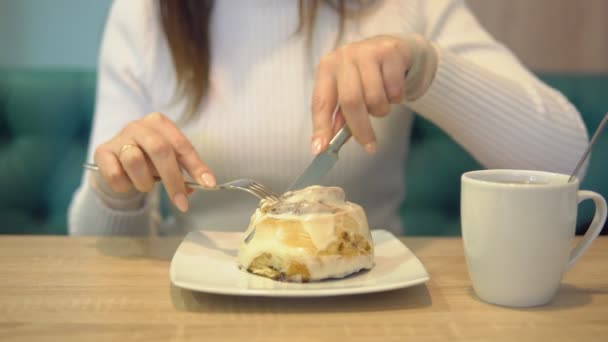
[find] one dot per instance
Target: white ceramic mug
(517, 228)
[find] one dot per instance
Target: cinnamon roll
(308, 235)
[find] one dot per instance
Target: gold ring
(124, 148)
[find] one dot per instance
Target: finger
(324, 101)
(352, 105)
(376, 101)
(163, 157)
(394, 66)
(111, 170)
(136, 166)
(186, 154)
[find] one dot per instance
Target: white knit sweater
(256, 121)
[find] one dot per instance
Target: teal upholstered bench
(45, 119)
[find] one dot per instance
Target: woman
(235, 81)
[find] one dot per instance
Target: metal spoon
(598, 130)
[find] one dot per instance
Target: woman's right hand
(149, 147)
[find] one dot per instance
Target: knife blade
(323, 162)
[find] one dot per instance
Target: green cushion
(45, 119)
(433, 185)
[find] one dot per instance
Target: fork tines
(263, 191)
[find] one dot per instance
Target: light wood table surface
(118, 289)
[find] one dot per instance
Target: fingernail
(371, 147)
(208, 179)
(316, 146)
(181, 202)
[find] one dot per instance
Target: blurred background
(548, 35)
(48, 53)
(56, 33)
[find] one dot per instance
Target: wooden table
(117, 289)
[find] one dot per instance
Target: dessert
(308, 235)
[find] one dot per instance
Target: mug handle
(594, 228)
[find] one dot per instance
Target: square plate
(206, 261)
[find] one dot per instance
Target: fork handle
(94, 167)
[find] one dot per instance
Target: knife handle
(339, 139)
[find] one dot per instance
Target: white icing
(358, 214)
(337, 266)
(322, 230)
(315, 194)
(316, 211)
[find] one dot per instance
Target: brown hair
(186, 26)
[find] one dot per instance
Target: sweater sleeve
(121, 98)
(490, 104)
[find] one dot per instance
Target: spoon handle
(598, 130)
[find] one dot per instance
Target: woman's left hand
(365, 77)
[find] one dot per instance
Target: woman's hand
(146, 148)
(365, 78)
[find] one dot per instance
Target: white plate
(206, 261)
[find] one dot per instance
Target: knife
(323, 162)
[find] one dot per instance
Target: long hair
(186, 26)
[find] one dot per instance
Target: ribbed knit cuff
(89, 215)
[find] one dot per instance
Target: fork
(252, 187)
